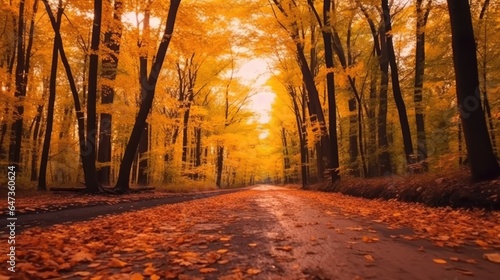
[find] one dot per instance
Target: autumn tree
(109, 62)
(482, 160)
(42, 178)
(148, 88)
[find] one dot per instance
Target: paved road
(267, 232)
(83, 213)
(337, 251)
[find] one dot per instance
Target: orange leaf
(440, 261)
(116, 263)
(493, 257)
(82, 256)
(286, 248)
(136, 276)
(481, 243)
(222, 251)
(369, 258)
(253, 271)
(208, 270)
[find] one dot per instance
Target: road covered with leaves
(267, 233)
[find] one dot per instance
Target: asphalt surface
(83, 213)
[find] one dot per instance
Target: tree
(21, 81)
(422, 15)
(111, 42)
(42, 178)
(148, 89)
(91, 183)
(396, 88)
(483, 163)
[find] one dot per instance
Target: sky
(255, 73)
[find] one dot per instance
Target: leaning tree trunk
(42, 178)
(396, 89)
(148, 88)
(422, 15)
(483, 163)
(80, 117)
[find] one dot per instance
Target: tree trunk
(483, 163)
(220, 163)
(396, 89)
(80, 117)
(37, 132)
(142, 157)
(109, 65)
(286, 158)
(89, 158)
(333, 158)
(148, 88)
(383, 141)
(353, 139)
(487, 107)
(42, 178)
(422, 15)
(302, 135)
(17, 126)
(197, 152)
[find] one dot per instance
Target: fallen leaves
(82, 256)
(116, 263)
(492, 257)
(253, 271)
(286, 248)
(439, 261)
(208, 270)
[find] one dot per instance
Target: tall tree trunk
(37, 131)
(487, 107)
(148, 87)
(17, 126)
(353, 138)
(333, 162)
(383, 141)
(197, 152)
(482, 160)
(109, 65)
(396, 89)
(286, 158)
(142, 157)
(42, 178)
(80, 117)
(373, 164)
(380, 48)
(422, 15)
(302, 136)
(91, 183)
(220, 163)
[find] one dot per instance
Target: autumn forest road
(266, 232)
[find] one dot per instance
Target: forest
(112, 94)
(250, 139)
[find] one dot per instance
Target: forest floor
(267, 232)
(454, 189)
